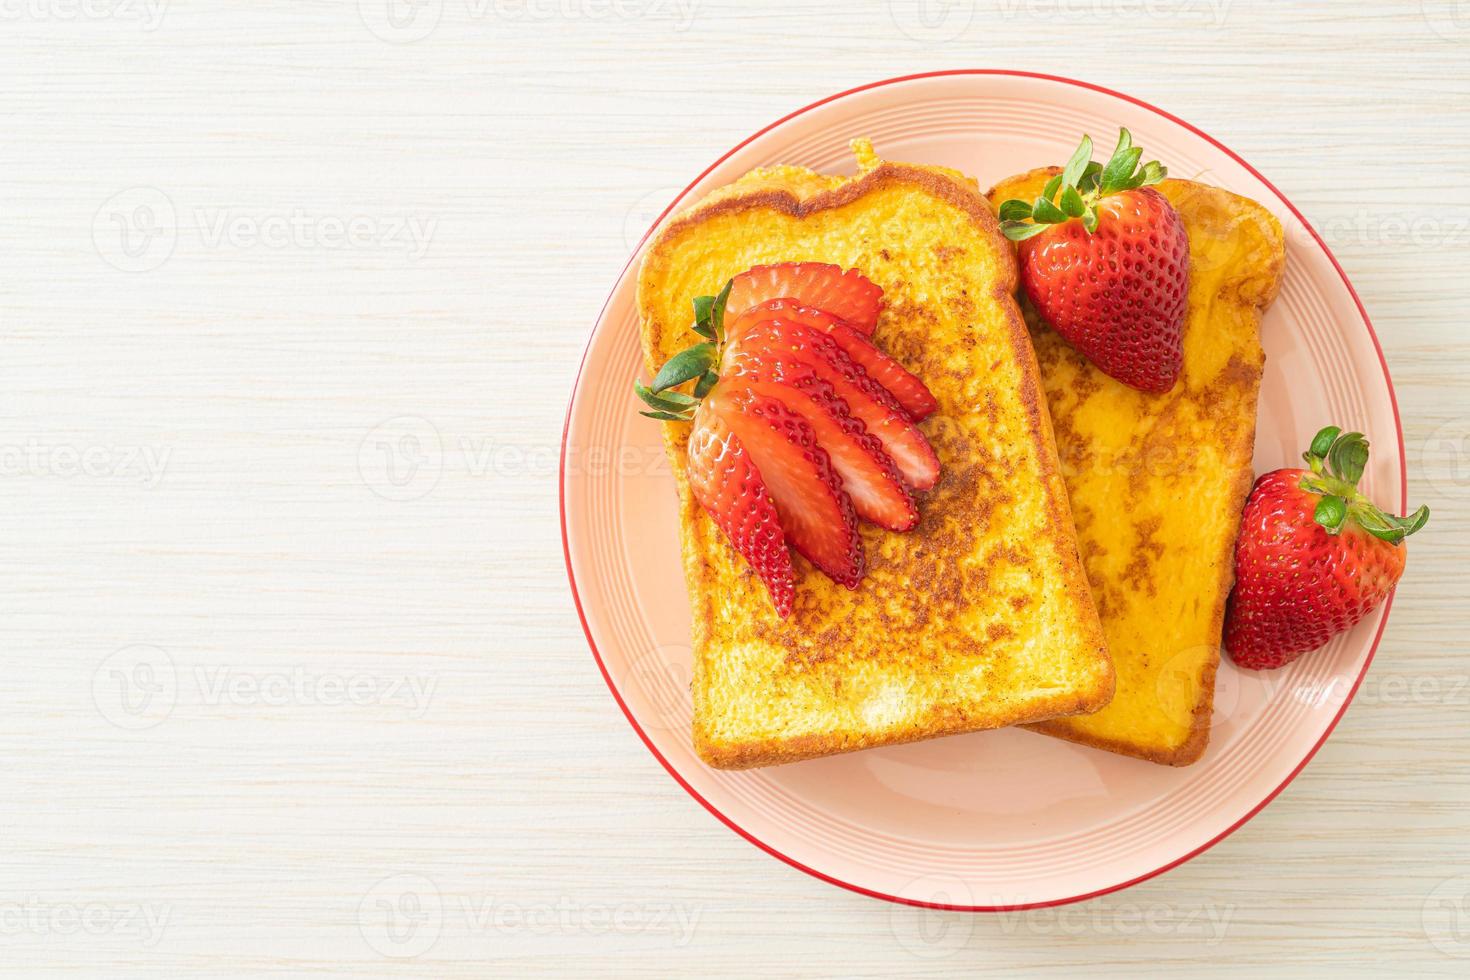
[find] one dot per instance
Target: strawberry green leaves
(703, 324)
(1088, 182)
(1321, 446)
(1331, 511)
(1081, 184)
(1122, 172)
(1019, 231)
(1072, 203)
(1014, 210)
(1119, 170)
(1337, 460)
(686, 366)
(700, 361)
(1046, 212)
(1338, 455)
(709, 314)
(1348, 456)
(706, 382)
(1072, 172)
(1386, 526)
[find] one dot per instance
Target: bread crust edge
(751, 754)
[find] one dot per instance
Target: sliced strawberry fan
(848, 295)
(782, 341)
(911, 393)
(801, 426)
(816, 511)
(729, 487)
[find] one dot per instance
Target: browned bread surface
(978, 618)
(1157, 482)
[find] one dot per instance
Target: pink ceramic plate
(1001, 819)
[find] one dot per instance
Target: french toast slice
(977, 618)
(1157, 482)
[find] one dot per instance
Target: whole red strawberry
(1314, 555)
(1105, 261)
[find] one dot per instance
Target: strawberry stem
(700, 361)
(1321, 446)
(1337, 460)
(1082, 183)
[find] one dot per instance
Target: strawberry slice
(728, 486)
(868, 473)
(794, 351)
(911, 393)
(815, 511)
(849, 295)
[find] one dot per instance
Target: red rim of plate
(577, 599)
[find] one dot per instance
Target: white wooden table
(293, 295)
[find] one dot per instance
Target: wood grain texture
(293, 478)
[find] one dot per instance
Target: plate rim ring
(852, 886)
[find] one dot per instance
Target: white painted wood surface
(283, 461)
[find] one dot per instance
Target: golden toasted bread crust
(1238, 282)
(836, 641)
